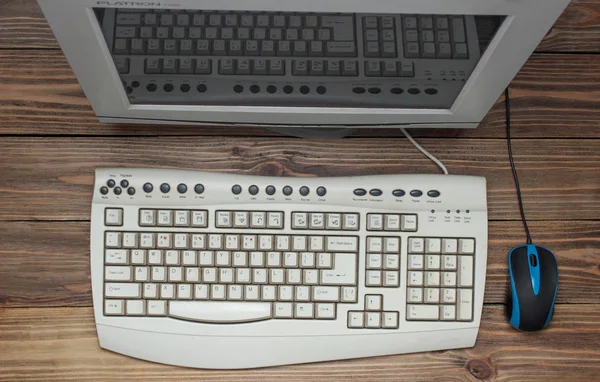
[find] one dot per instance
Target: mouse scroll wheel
(533, 260)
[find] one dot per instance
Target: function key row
(249, 219)
(216, 19)
(392, 222)
(328, 221)
(173, 218)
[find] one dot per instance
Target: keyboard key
(390, 320)
(466, 246)
(390, 69)
(422, 312)
(374, 222)
(125, 290)
(283, 310)
(113, 239)
(325, 311)
(135, 307)
(373, 320)
(156, 308)
(275, 220)
(407, 69)
(284, 48)
(428, 50)
(342, 243)
(465, 271)
(408, 223)
(300, 68)
(277, 67)
(432, 245)
(334, 221)
(458, 29)
(343, 273)
(372, 49)
(349, 68)
(432, 295)
(392, 262)
(388, 50)
(449, 263)
(114, 307)
(412, 50)
(449, 296)
(415, 278)
(415, 295)
(356, 319)
(465, 305)
(391, 279)
(373, 302)
(113, 217)
(370, 22)
(163, 33)
(324, 260)
(199, 218)
(432, 262)
(373, 278)
(348, 294)
(115, 273)
(243, 66)
(341, 49)
(304, 310)
(129, 19)
(116, 256)
(125, 32)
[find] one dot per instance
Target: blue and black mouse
(534, 284)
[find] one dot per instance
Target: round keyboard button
(131, 191)
(416, 193)
(124, 183)
(270, 190)
(253, 190)
(433, 193)
(201, 88)
(321, 191)
(148, 188)
(287, 190)
(237, 189)
(398, 193)
(304, 191)
(104, 190)
(199, 189)
(117, 190)
(182, 188)
(111, 183)
(360, 192)
(375, 192)
(165, 188)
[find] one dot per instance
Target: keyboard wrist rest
(240, 352)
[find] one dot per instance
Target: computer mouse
(533, 287)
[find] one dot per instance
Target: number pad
(440, 279)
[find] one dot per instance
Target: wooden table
(51, 142)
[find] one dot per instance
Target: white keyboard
(228, 271)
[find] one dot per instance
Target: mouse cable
(512, 165)
(425, 152)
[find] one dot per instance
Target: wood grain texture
(560, 179)
(22, 25)
(40, 96)
(577, 30)
(47, 263)
(60, 344)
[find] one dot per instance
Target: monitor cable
(425, 152)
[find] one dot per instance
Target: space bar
(220, 312)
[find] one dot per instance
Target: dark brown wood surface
(51, 143)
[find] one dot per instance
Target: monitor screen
(212, 57)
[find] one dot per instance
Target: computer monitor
(310, 63)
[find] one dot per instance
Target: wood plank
(554, 96)
(22, 25)
(577, 30)
(560, 178)
(47, 263)
(557, 96)
(61, 344)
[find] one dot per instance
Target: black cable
(512, 165)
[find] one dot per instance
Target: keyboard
(291, 59)
(229, 271)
